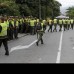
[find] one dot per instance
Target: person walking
(50, 25)
(40, 32)
(3, 35)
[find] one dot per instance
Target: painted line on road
(22, 47)
(60, 48)
(73, 48)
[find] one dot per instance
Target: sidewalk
(22, 35)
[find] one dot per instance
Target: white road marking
(60, 47)
(22, 47)
(73, 48)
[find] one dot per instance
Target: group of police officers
(11, 26)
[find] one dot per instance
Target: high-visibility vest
(17, 23)
(55, 21)
(21, 21)
(42, 24)
(44, 21)
(68, 22)
(4, 29)
(12, 23)
(72, 21)
(60, 21)
(50, 22)
(37, 20)
(7, 22)
(64, 21)
(31, 22)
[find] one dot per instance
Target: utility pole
(39, 9)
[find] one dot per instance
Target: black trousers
(60, 27)
(15, 32)
(72, 26)
(50, 28)
(4, 41)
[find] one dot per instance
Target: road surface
(58, 47)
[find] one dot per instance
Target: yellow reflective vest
(72, 21)
(17, 23)
(4, 29)
(32, 22)
(68, 22)
(50, 22)
(60, 22)
(55, 21)
(64, 22)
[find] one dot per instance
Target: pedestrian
(72, 23)
(3, 35)
(40, 32)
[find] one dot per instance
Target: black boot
(37, 43)
(7, 53)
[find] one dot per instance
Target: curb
(23, 36)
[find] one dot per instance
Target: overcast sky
(66, 4)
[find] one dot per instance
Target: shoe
(42, 43)
(37, 43)
(7, 53)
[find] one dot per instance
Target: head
(2, 19)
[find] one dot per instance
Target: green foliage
(49, 8)
(24, 10)
(70, 12)
(8, 7)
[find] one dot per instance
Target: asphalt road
(46, 53)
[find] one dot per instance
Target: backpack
(39, 27)
(0, 28)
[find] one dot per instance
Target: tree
(8, 7)
(70, 12)
(37, 8)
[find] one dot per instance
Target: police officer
(3, 36)
(10, 30)
(60, 24)
(40, 33)
(44, 25)
(55, 25)
(68, 24)
(16, 29)
(72, 23)
(32, 24)
(50, 25)
(64, 24)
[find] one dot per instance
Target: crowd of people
(29, 24)
(13, 25)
